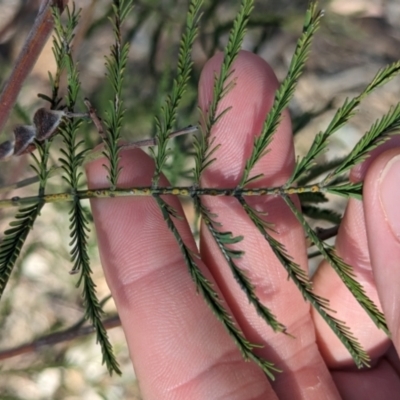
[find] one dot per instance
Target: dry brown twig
(58, 337)
(32, 48)
(30, 52)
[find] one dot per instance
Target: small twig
(95, 119)
(324, 234)
(99, 153)
(141, 143)
(30, 52)
(28, 181)
(58, 337)
(153, 141)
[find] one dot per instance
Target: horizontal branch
(185, 191)
(57, 337)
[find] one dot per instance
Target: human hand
(178, 347)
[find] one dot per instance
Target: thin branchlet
(72, 158)
(224, 81)
(116, 65)
(225, 241)
(379, 132)
(205, 287)
(166, 121)
(341, 117)
(283, 95)
(301, 280)
(344, 270)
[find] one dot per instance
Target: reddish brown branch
(30, 52)
(58, 337)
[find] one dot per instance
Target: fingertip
(359, 172)
(382, 216)
(366, 242)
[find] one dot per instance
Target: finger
(355, 248)
(304, 372)
(368, 384)
(382, 195)
(178, 347)
(372, 383)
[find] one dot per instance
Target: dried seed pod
(46, 122)
(24, 139)
(6, 150)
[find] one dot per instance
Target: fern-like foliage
(342, 115)
(378, 134)
(13, 240)
(344, 270)
(304, 182)
(71, 160)
(225, 240)
(301, 280)
(284, 93)
(116, 64)
(205, 287)
(165, 122)
(205, 149)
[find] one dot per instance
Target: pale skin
(178, 348)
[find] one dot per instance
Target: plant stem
(71, 333)
(186, 191)
(30, 52)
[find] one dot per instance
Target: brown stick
(30, 52)
(58, 337)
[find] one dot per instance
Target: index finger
(304, 372)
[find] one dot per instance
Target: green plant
(74, 153)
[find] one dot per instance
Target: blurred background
(355, 39)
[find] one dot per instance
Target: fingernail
(390, 194)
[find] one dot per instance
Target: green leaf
(225, 240)
(166, 121)
(205, 287)
(72, 159)
(14, 239)
(346, 190)
(204, 144)
(344, 271)
(342, 115)
(116, 64)
(376, 135)
(284, 93)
